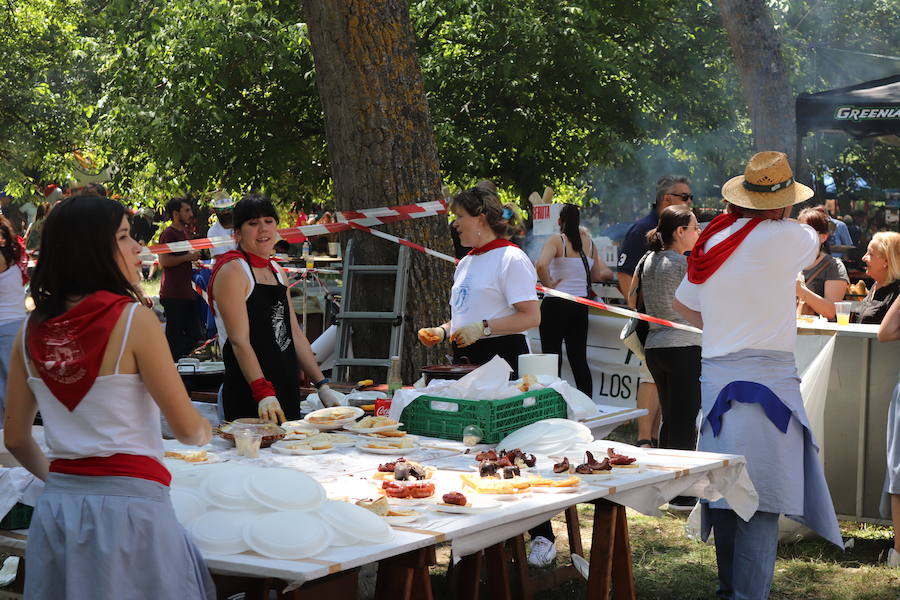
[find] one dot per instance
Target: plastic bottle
(306, 255)
(395, 380)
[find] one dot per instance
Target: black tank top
(271, 340)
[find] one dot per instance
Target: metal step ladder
(347, 318)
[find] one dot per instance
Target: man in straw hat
(740, 290)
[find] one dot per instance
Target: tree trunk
(757, 54)
(382, 153)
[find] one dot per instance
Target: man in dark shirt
(670, 190)
(176, 294)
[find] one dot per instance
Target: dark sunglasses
(684, 197)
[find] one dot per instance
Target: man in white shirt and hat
(740, 290)
(224, 225)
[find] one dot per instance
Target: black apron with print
(271, 340)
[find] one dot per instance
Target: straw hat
(223, 203)
(767, 183)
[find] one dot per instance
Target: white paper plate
(476, 505)
(342, 538)
(287, 535)
(342, 440)
(221, 531)
(284, 447)
(285, 489)
(353, 411)
(508, 497)
(224, 488)
(407, 518)
(549, 489)
(362, 447)
(373, 429)
(300, 426)
(356, 521)
(211, 458)
(188, 505)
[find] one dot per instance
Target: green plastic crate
(18, 517)
(497, 418)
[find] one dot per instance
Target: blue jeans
(8, 333)
(745, 553)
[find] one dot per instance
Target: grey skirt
(892, 473)
(97, 538)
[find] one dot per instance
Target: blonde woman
(883, 265)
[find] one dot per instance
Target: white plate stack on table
(278, 513)
(548, 437)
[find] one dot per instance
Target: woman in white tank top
(566, 262)
(12, 300)
(99, 368)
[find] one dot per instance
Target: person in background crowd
(671, 190)
(33, 235)
(569, 263)
(673, 356)
(840, 236)
(96, 365)
(883, 265)
(175, 293)
(262, 343)
(740, 290)
(852, 229)
(890, 500)
(12, 299)
(15, 217)
(224, 225)
(825, 281)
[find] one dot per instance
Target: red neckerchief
(67, 350)
(497, 243)
(701, 263)
(23, 259)
(255, 261)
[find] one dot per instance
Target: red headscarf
(67, 350)
(701, 263)
(255, 261)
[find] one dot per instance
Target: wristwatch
(486, 328)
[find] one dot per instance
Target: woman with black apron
(262, 344)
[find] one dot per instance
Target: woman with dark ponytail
(673, 355)
(569, 263)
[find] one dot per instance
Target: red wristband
(261, 388)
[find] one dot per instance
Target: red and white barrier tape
(626, 312)
(296, 235)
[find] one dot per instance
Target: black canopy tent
(865, 110)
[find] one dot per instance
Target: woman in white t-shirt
(493, 301)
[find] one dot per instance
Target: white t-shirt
(485, 286)
(216, 230)
(749, 302)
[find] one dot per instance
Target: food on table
(490, 485)
(488, 469)
(305, 446)
(398, 444)
(373, 422)
(510, 472)
(456, 498)
(584, 469)
(329, 415)
(395, 489)
(620, 460)
(270, 432)
(396, 433)
(562, 467)
(489, 455)
(380, 507)
(519, 458)
(538, 481)
(596, 465)
(404, 470)
(365, 383)
(399, 512)
(188, 455)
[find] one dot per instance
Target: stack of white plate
(548, 437)
(225, 489)
(287, 535)
(284, 489)
(350, 521)
(188, 505)
(221, 531)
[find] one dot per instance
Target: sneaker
(682, 503)
(893, 559)
(543, 551)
